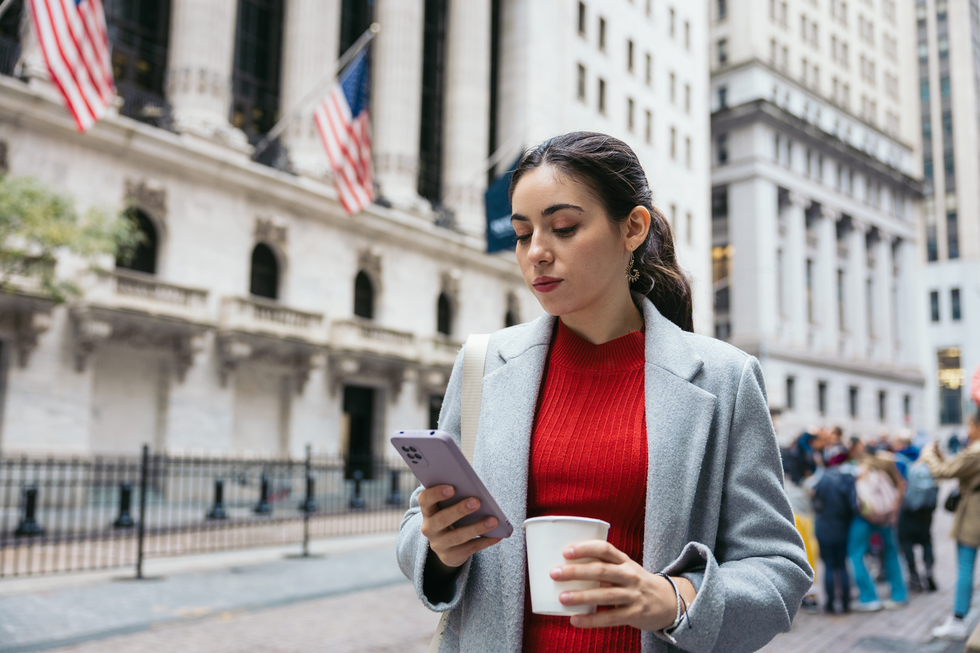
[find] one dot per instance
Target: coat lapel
(678, 419)
(504, 443)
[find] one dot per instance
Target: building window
(672, 25)
(722, 98)
(841, 296)
(934, 305)
(687, 151)
(144, 258)
(581, 82)
(687, 98)
(673, 88)
(629, 113)
(602, 95)
(673, 143)
(852, 400)
(265, 272)
(581, 18)
(822, 397)
(722, 52)
(952, 235)
(950, 379)
(809, 291)
(688, 227)
(687, 35)
(602, 34)
(434, 51)
(907, 408)
(140, 35)
(954, 300)
(444, 315)
(511, 319)
(648, 130)
(363, 296)
(629, 55)
(255, 78)
(435, 407)
(721, 149)
(932, 242)
(882, 405)
(10, 23)
(649, 69)
(790, 392)
(722, 6)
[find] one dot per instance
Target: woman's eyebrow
(554, 208)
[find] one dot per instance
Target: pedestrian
(953, 444)
(915, 517)
(965, 467)
(610, 407)
(833, 501)
(879, 488)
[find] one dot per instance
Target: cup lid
(558, 518)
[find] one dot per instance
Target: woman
(610, 407)
(966, 524)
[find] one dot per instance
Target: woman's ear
(636, 226)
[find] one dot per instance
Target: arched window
(363, 296)
(265, 272)
(511, 319)
(444, 315)
(144, 258)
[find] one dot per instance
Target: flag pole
(318, 88)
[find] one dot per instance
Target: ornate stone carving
(350, 367)
(148, 197)
(449, 283)
(514, 305)
(271, 231)
(798, 200)
(369, 260)
(88, 332)
(431, 381)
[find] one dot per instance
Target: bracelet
(680, 602)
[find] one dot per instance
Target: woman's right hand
(453, 546)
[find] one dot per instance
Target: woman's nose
(538, 253)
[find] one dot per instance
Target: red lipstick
(546, 284)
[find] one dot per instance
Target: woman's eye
(565, 231)
(522, 238)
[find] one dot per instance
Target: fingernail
(448, 491)
(471, 504)
(556, 573)
(490, 522)
(564, 596)
(575, 620)
(569, 552)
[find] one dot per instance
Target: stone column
(884, 311)
(752, 211)
(396, 103)
(202, 51)
(856, 303)
(467, 111)
(311, 39)
(825, 283)
(31, 63)
(905, 329)
(794, 290)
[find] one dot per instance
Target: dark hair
(612, 172)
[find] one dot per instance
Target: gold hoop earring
(632, 275)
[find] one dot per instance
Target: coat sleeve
(412, 548)
(751, 584)
(964, 466)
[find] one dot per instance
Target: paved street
(350, 598)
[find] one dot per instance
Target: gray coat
(716, 511)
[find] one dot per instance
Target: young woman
(965, 467)
(610, 407)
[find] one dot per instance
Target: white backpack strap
(474, 360)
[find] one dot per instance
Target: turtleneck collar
(575, 352)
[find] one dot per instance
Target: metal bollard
(125, 502)
(308, 505)
(357, 501)
(28, 525)
(263, 507)
(218, 509)
(395, 497)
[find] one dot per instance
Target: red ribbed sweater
(589, 459)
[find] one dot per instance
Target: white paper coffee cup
(547, 538)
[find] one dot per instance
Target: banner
(500, 232)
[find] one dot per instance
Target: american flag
(343, 122)
(75, 43)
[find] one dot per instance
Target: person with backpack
(878, 499)
(966, 524)
(833, 501)
(915, 518)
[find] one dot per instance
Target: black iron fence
(61, 515)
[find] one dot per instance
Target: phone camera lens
(404, 448)
(412, 449)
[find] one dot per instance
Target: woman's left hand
(636, 597)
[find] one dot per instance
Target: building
(948, 53)
(815, 185)
(258, 317)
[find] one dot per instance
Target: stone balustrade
(267, 317)
(133, 291)
(440, 351)
(367, 337)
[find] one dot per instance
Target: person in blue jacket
(834, 498)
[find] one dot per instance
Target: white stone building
(948, 58)
(815, 184)
(261, 318)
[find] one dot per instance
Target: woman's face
(572, 256)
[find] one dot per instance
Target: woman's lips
(546, 284)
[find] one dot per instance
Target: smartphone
(435, 459)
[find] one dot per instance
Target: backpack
(922, 491)
(876, 495)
